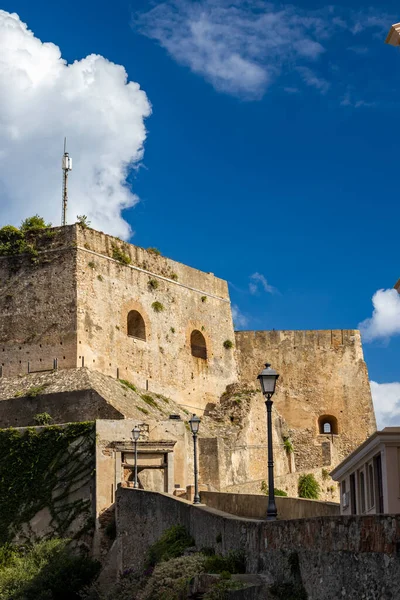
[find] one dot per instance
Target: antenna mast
(66, 167)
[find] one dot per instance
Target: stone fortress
(94, 328)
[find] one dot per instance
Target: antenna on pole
(66, 167)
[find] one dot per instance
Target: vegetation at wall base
(48, 570)
(40, 469)
(43, 419)
(277, 491)
(308, 487)
(171, 544)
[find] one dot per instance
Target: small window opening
(328, 424)
(136, 325)
(198, 345)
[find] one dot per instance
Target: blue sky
(270, 156)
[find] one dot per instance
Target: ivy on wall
(42, 468)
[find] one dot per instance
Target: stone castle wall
(322, 373)
(72, 303)
(191, 300)
(38, 306)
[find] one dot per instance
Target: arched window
(198, 344)
(328, 424)
(136, 325)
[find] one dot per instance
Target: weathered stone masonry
(91, 300)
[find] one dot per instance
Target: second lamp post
(267, 379)
(194, 423)
(135, 436)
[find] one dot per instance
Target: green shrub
(172, 330)
(83, 221)
(234, 562)
(228, 344)
(288, 445)
(43, 418)
(100, 278)
(119, 255)
(174, 276)
(143, 410)
(308, 487)
(157, 307)
(222, 588)
(170, 579)
(36, 390)
(47, 570)
(325, 474)
(128, 384)
(171, 544)
(277, 491)
(154, 251)
(204, 298)
(91, 264)
(34, 223)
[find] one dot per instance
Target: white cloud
(385, 320)
(240, 321)
(258, 280)
(242, 47)
(42, 99)
(386, 398)
(312, 80)
(348, 100)
(238, 47)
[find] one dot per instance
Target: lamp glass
(136, 433)
(194, 423)
(268, 378)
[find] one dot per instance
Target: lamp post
(135, 436)
(268, 378)
(194, 423)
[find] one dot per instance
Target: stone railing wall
(335, 557)
(254, 506)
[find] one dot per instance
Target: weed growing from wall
(228, 344)
(153, 284)
(157, 307)
(128, 384)
(119, 255)
(149, 400)
(154, 251)
(308, 487)
(41, 468)
(43, 419)
(83, 221)
(288, 445)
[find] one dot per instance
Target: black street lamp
(135, 436)
(268, 378)
(194, 423)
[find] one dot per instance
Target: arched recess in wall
(198, 344)
(136, 325)
(328, 424)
